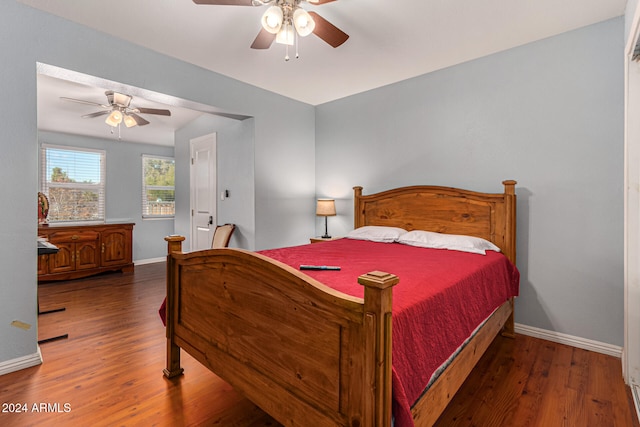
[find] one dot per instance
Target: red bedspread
(441, 298)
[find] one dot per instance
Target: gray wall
(124, 188)
(283, 140)
(548, 114)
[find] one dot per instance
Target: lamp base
(326, 230)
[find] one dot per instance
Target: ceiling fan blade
(96, 114)
(327, 31)
(84, 102)
(319, 2)
(139, 120)
(263, 40)
(152, 111)
(226, 2)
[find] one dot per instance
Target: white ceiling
(390, 40)
(58, 115)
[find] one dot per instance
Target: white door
(203, 191)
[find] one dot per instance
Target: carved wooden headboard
(491, 216)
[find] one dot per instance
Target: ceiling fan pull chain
(296, 35)
(286, 57)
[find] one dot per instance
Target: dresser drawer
(73, 236)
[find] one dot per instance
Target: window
(158, 187)
(74, 181)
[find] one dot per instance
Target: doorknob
(210, 219)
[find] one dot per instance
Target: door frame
(631, 350)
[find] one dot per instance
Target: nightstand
(321, 239)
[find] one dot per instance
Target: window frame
(100, 187)
(145, 187)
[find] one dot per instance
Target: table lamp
(325, 208)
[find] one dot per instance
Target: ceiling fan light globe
(129, 121)
(303, 22)
(285, 35)
(272, 19)
(114, 119)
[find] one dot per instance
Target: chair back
(222, 235)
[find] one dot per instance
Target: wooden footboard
(305, 353)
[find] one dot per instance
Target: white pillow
(456, 242)
(376, 233)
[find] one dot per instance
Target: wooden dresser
(85, 250)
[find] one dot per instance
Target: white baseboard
(584, 343)
(21, 363)
(149, 261)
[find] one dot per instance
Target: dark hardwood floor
(109, 372)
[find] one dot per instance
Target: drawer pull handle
(74, 237)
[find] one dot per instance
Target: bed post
(173, 369)
(510, 220)
(377, 308)
(510, 235)
(357, 214)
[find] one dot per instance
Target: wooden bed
(306, 354)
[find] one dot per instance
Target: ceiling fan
(119, 110)
(285, 19)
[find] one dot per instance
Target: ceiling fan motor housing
(119, 99)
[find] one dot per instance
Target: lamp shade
(129, 121)
(326, 207)
(272, 19)
(285, 35)
(303, 22)
(114, 119)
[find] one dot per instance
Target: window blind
(73, 179)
